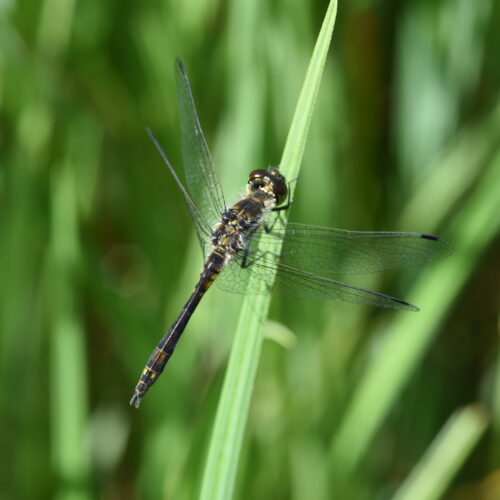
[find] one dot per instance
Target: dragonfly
(300, 260)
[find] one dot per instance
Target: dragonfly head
(270, 181)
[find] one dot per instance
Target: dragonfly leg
(289, 203)
(269, 227)
(248, 259)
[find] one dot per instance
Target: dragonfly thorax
(238, 222)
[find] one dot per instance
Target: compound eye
(257, 174)
(280, 188)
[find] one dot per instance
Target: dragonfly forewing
(328, 251)
(202, 179)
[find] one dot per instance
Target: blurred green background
(98, 255)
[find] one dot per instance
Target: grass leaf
(232, 411)
(449, 450)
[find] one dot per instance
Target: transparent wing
(202, 181)
(203, 230)
(310, 255)
(292, 282)
(328, 251)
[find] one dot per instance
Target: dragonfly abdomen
(162, 352)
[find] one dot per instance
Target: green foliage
(96, 259)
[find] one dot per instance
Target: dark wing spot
(410, 306)
(429, 237)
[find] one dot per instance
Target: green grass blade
(447, 453)
(225, 445)
(297, 136)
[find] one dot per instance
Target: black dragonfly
(306, 258)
